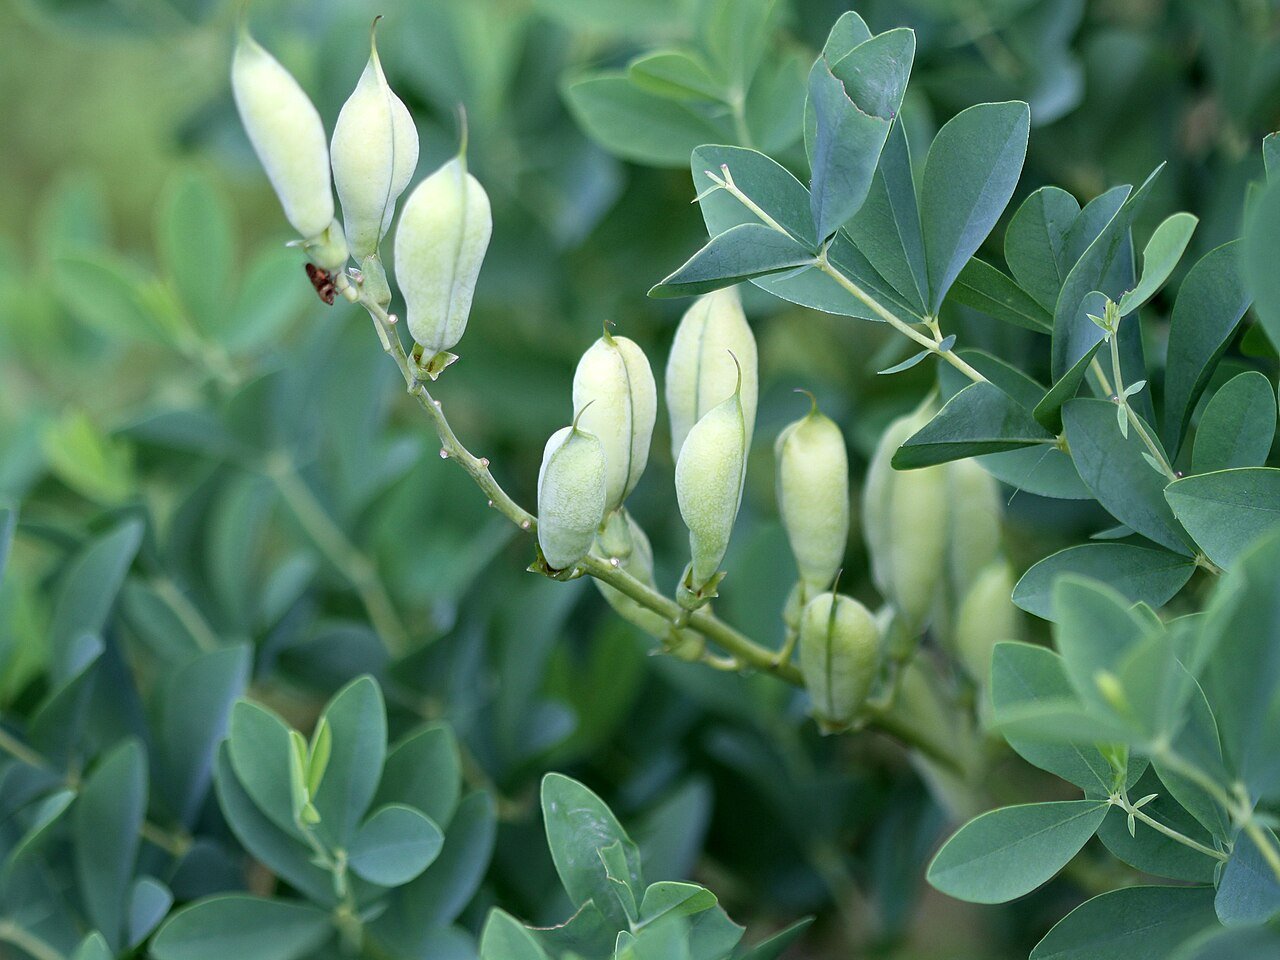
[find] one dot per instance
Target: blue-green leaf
(1227, 510)
(1035, 241)
(979, 419)
(740, 253)
(1159, 257)
(1249, 891)
(1139, 574)
(983, 287)
(1132, 923)
(248, 928)
(394, 845)
(1238, 425)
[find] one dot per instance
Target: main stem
(746, 651)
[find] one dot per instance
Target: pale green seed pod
(813, 496)
(374, 152)
(613, 387)
(905, 523)
(709, 477)
(987, 616)
(630, 544)
(839, 650)
(287, 135)
(570, 496)
(440, 243)
(976, 513)
(700, 369)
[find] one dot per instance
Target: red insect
(322, 280)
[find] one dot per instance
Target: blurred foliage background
(287, 488)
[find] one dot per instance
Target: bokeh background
(284, 477)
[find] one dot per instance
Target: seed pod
(839, 647)
(813, 496)
(375, 150)
(709, 478)
(613, 387)
(905, 524)
(440, 243)
(987, 616)
(700, 371)
(287, 135)
(570, 496)
(976, 513)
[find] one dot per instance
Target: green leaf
(196, 711)
(505, 938)
(1132, 923)
(1240, 650)
(285, 856)
(636, 124)
(972, 169)
(270, 296)
(983, 287)
(149, 901)
(1249, 891)
(195, 237)
(48, 814)
(579, 825)
(1006, 853)
(1085, 341)
(1045, 471)
(93, 947)
(1073, 333)
(1235, 943)
(1114, 469)
(1227, 510)
(775, 946)
(1023, 675)
(738, 254)
(676, 74)
(1139, 574)
(394, 845)
(1238, 425)
(979, 419)
(259, 749)
(248, 928)
(671, 898)
(1035, 242)
(108, 817)
(1210, 304)
(1261, 240)
(1095, 628)
(88, 459)
(887, 226)
(424, 771)
(768, 185)
(111, 295)
(1159, 257)
(87, 591)
(358, 719)
(854, 101)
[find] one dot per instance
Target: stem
(1139, 814)
(25, 940)
(175, 844)
(747, 652)
(187, 613)
(20, 751)
(357, 568)
(1134, 420)
(929, 343)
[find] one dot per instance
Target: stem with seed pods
(743, 651)
(822, 262)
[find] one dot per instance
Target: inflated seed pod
(613, 387)
(905, 525)
(709, 477)
(813, 496)
(628, 542)
(976, 514)
(839, 649)
(700, 369)
(440, 243)
(570, 496)
(287, 135)
(374, 152)
(987, 616)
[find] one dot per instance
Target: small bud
(613, 387)
(288, 137)
(905, 524)
(813, 496)
(570, 496)
(440, 243)
(700, 371)
(375, 151)
(986, 617)
(975, 523)
(839, 647)
(709, 477)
